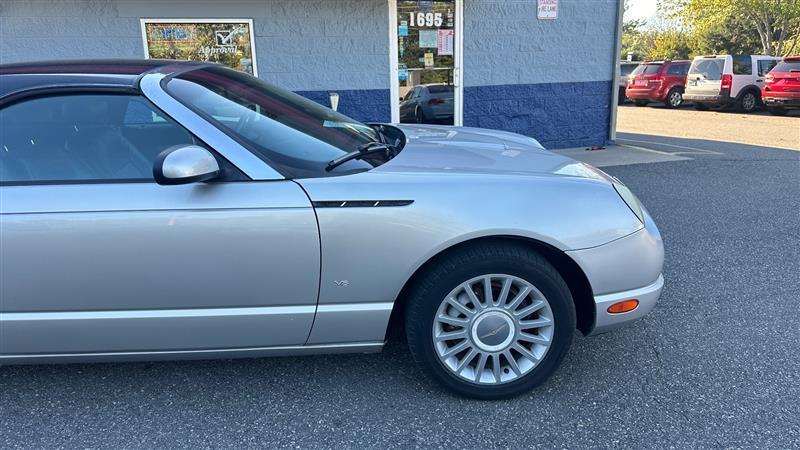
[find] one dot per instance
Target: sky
(641, 9)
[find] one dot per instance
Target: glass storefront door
(426, 72)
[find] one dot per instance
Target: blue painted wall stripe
(559, 115)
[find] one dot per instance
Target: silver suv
(728, 80)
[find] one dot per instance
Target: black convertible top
(108, 72)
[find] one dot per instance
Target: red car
(658, 81)
(781, 90)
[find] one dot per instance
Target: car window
(440, 88)
(742, 65)
(787, 66)
(651, 69)
(73, 138)
(765, 65)
(709, 68)
(296, 136)
(626, 69)
(676, 69)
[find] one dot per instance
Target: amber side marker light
(623, 306)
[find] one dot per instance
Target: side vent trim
(361, 203)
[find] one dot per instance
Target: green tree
(777, 22)
(670, 44)
(734, 36)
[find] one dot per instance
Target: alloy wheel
(493, 329)
(748, 101)
(675, 99)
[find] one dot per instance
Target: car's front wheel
(490, 321)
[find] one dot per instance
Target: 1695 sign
(431, 19)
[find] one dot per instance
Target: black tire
(641, 102)
(464, 264)
(671, 102)
(621, 98)
(700, 106)
(747, 102)
(419, 115)
(778, 111)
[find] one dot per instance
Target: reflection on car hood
(446, 149)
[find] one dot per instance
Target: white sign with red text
(547, 9)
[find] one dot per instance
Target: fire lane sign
(547, 9)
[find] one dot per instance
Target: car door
(95, 257)
(743, 74)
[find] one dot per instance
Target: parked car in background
(658, 81)
(170, 210)
(625, 70)
(728, 80)
(428, 103)
(781, 90)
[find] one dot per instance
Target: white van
(726, 80)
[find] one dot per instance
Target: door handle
(759, 80)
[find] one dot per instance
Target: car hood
(446, 149)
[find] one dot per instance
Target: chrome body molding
(226, 353)
(647, 296)
(151, 330)
(245, 160)
(351, 322)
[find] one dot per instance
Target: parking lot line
(690, 150)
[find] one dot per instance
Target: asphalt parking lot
(714, 365)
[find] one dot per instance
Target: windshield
(710, 69)
(297, 136)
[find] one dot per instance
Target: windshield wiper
(369, 148)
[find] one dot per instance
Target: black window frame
(229, 172)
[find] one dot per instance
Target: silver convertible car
(175, 210)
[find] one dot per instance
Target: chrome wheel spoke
(493, 323)
(525, 352)
(536, 339)
(496, 369)
(487, 291)
(473, 298)
(454, 321)
(461, 346)
(451, 335)
(512, 362)
(519, 298)
(481, 365)
(536, 323)
(530, 309)
(503, 297)
(457, 305)
(463, 363)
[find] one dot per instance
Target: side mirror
(183, 164)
